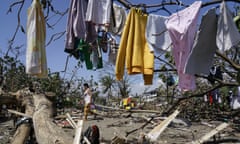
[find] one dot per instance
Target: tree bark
(24, 130)
(46, 131)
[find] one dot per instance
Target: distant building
(149, 96)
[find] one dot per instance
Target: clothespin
(144, 9)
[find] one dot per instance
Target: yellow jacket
(133, 49)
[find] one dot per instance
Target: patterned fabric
(36, 61)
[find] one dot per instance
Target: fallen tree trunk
(46, 131)
(40, 111)
(24, 130)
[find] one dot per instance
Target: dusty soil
(121, 125)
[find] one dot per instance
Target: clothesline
(187, 51)
(164, 3)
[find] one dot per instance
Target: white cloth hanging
(157, 35)
(99, 11)
(227, 32)
(36, 61)
(118, 19)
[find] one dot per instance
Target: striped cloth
(36, 61)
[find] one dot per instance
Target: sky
(56, 57)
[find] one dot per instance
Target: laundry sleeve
(120, 61)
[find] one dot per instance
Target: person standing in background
(87, 100)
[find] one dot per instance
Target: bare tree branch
(220, 85)
(177, 2)
(55, 36)
(232, 63)
(18, 25)
(14, 4)
(57, 21)
(168, 63)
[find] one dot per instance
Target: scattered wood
(141, 127)
(19, 113)
(117, 140)
(155, 133)
(132, 110)
(119, 134)
(207, 124)
(211, 133)
(86, 140)
(223, 141)
(72, 123)
(78, 132)
(149, 119)
(175, 121)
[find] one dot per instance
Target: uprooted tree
(37, 103)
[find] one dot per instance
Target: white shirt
(87, 96)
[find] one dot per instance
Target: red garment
(210, 98)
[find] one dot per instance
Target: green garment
(90, 55)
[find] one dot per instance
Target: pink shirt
(182, 27)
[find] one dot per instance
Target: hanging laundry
(236, 103)
(205, 98)
(236, 100)
(103, 41)
(227, 32)
(216, 95)
(85, 51)
(215, 73)
(76, 25)
(36, 61)
(96, 56)
(201, 57)
(90, 54)
(230, 98)
(92, 32)
(118, 19)
(210, 98)
(99, 12)
(238, 91)
(157, 35)
(133, 50)
(182, 27)
(113, 50)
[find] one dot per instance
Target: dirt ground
(123, 124)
